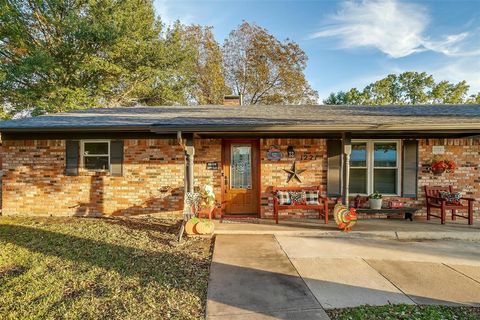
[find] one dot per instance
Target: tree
(446, 92)
(384, 91)
(265, 70)
(416, 87)
(406, 88)
(209, 83)
(60, 55)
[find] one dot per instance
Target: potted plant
(375, 200)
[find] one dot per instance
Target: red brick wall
(208, 150)
(272, 174)
(466, 178)
(34, 182)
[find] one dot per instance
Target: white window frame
(82, 155)
(371, 168)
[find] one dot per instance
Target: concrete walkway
(293, 277)
(252, 278)
(352, 272)
(396, 229)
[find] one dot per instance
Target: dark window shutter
(72, 150)
(410, 169)
(334, 154)
(116, 157)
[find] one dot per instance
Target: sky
(351, 43)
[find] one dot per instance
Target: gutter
(172, 129)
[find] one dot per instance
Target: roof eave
(168, 129)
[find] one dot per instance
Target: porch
(365, 228)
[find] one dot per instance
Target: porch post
(189, 150)
(189, 155)
(346, 150)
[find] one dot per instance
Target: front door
(240, 176)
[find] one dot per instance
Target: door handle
(225, 182)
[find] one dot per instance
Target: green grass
(108, 268)
(405, 312)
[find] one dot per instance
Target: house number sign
(309, 156)
(212, 165)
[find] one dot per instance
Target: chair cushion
(298, 197)
(311, 197)
(451, 197)
(284, 198)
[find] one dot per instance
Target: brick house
(128, 161)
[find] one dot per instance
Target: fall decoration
(344, 217)
(440, 165)
(294, 173)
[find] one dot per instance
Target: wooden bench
(322, 207)
(433, 200)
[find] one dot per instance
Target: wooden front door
(240, 176)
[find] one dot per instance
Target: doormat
(241, 220)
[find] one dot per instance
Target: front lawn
(107, 268)
(405, 312)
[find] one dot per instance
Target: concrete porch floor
(399, 229)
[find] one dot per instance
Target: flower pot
(438, 171)
(375, 204)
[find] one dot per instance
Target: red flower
(443, 165)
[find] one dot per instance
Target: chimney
(233, 100)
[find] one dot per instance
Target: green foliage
(406, 88)
(60, 55)
(375, 195)
(113, 268)
(405, 312)
(209, 83)
(265, 70)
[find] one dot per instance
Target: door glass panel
(358, 157)
(240, 167)
(385, 154)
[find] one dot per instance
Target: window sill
(87, 172)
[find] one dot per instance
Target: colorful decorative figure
(344, 217)
(294, 172)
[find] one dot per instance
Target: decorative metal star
(294, 172)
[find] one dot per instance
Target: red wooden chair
(433, 200)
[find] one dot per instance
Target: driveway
(296, 277)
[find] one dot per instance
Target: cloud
(467, 69)
(395, 28)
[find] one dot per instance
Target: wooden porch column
(189, 150)
(346, 151)
(189, 155)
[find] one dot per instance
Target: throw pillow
(311, 197)
(451, 197)
(298, 197)
(283, 198)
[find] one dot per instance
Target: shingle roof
(221, 118)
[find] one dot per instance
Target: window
(359, 168)
(96, 155)
(374, 166)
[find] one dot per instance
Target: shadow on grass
(173, 269)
